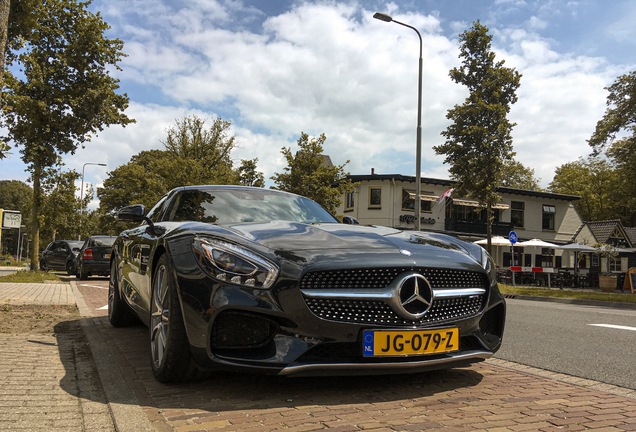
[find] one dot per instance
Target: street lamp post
(418, 148)
(79, 235)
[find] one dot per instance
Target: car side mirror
(350, 220)
(133, 213)
(137, 213)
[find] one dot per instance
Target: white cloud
(330, 67)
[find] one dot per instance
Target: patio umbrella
(537, 243)
(577, 248)
(496, 241)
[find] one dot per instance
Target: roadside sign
(11, 219)
(512, 236)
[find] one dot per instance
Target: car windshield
(231, 206)
(102, 241)
(75, 244)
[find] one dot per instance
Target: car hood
(356, 244)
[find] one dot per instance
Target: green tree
(64, 93)
(616, 133)
(594, 180)
(15, 195)
(619, 119)
(211, 147)
(60, 208)
(193, 155)
(15, 19)
(479, 141)
(144, 180)
(623, 155)
(516, 175)
(309, 174)
(248, 175)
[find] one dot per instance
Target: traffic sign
(512, 236)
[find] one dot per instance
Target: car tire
(43, 266)
(171, 358)
(119, 313)
(70, 268)
(82, 274)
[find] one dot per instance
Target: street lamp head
(382, 17)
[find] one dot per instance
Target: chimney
(372, 171)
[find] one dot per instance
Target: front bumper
(295, 332)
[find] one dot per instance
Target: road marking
(103, 308)
(619, 327)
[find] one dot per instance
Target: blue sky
(279, 68)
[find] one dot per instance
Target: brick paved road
(491, 396)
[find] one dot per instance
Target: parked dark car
(240, 278)
(94, 257)
(60, 255)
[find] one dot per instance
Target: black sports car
(230, 277)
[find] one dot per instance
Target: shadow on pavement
(127, 351)
(81, 377)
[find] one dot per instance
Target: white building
(388, 199)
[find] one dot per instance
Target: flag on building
(445, 195)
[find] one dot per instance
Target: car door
(47, 254)
(135, 249)
(58, 257)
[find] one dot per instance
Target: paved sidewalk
(49, 381)
(97, 378)
(37, 294)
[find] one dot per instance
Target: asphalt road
(6, 272)
(592, 342)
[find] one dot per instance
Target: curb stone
(127, 414)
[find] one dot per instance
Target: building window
(375, 197)
(549, 211)
(408, 201)
(615, 265)
(350, 200)
(516, 213)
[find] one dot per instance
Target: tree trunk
(35, 216)
(489, 219)
(5, 7)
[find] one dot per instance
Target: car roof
(230, 187)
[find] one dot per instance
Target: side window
(156, 213)
(408, 201)
(375, 197)
(517, 213)
(192, 205)
(547, 218)
(350, 200)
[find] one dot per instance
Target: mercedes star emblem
(415, 296)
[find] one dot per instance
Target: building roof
(631, 234)
(451, 183)
(605, 230)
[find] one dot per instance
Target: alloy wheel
(159, 316)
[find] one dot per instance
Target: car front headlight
(227, 262)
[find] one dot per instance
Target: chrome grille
(380, 278)
(377, 312)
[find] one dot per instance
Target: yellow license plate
(397, 343)
(106, 256)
